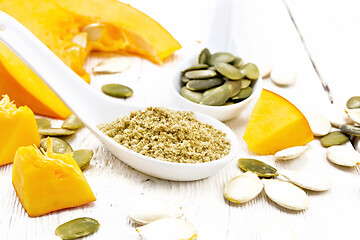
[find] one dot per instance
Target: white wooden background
(318, 38)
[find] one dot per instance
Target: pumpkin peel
(48, 182)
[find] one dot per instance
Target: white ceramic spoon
(219, 39)
(93, 107)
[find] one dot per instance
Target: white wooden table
(319, 38)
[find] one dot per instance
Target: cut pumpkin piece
(17, 128)
(276, 124)
(48, 182)
(121, 28)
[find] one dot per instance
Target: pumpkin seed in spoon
(217, 96)
(243, 188)
(117, 90)
(83, 157)
(224, 57)
(58, 145)
(43, 123)
(204, 56)
(200, 74)
(351, 130)
(251, 71)
(197, 67)
(55, 132)
(260, 168)
(290, 153)
(343, 155)
(313, 182)
(243, 94)
(286, 194)
(199, 85)
(191, 95)
(353, 102)
(229, 71)
(79, 227)
(72, 123)
(334, 138)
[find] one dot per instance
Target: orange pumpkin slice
(17, 128)
(50, 182)
(276, 124)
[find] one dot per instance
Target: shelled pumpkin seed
(79, 227)
(258, 167)
(334, 138)
(353, 102)
(191, 95)
(83, 157)
(117, 90)
(226, 67)
(351, 130)
(58, 145)
(55, 132)
(72, 123)
(43, 123)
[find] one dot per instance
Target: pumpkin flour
(168, 135)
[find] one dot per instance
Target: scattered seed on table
(117, 90)
(334, 138)
(260, 168)
(79, 227)
(290, 153)
(58, 145)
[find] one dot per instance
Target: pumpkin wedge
(276, 124)
(122, 29)
(17, 128)
(48, 182)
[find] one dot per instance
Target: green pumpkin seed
(353, 102)
(260, 168)
(245, 83)
(72, 123)
(191, 95)
(197, 67)
(238, 62)
(184, 80)
(58, 145)
(200, 74)
(217, 96)
(236, 85)
(55, 132)
(43, 123)
(243, 94)
(83, 157)
(199, 85)
(204, 56)
(334, 138)
(77, 228)
(351, 130)
(251, 71)
(117, 90)
(229, 71)
(221, 57)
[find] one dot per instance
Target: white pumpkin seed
(337, 116)
(264, 67)
(312, 182)
(94, 31)
(286, 194)
(278, 231)
(283, 76)
(319, 124)
(243, 188)
(112, 65)
(290, 153)
(343, 155)
(168, 229)
(80, 39)
(353, 114)
(147, 209)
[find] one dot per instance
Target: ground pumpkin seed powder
(168, 135)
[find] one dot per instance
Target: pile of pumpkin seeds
(218, 79)
(288, 194)
(59, 145)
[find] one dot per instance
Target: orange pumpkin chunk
(17, 128)
(48, 182)
(276, 124)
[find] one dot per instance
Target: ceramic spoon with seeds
(93, 107)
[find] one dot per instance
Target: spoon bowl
(94, 108)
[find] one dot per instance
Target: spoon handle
(66, 84)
